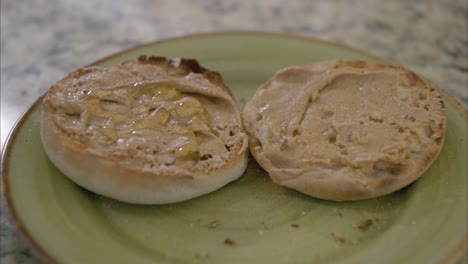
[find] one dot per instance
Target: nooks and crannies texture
(146, 131)
(345, 130)
(150, 113)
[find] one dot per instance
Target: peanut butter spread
(149, 115)
(346, 118)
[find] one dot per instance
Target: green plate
(250, 220)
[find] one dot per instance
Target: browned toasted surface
(184, 67)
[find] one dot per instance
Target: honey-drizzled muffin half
(146, 131)
(345, 130)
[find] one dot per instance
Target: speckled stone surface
(42, 40)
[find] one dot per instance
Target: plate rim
(22, 232)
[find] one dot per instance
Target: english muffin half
(345, 130)
(146, 131)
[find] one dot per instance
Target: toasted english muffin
(345, 130)
(146, 131)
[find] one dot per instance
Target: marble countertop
(43, 40)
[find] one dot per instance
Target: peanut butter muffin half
(345, 130)
(146, 131)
